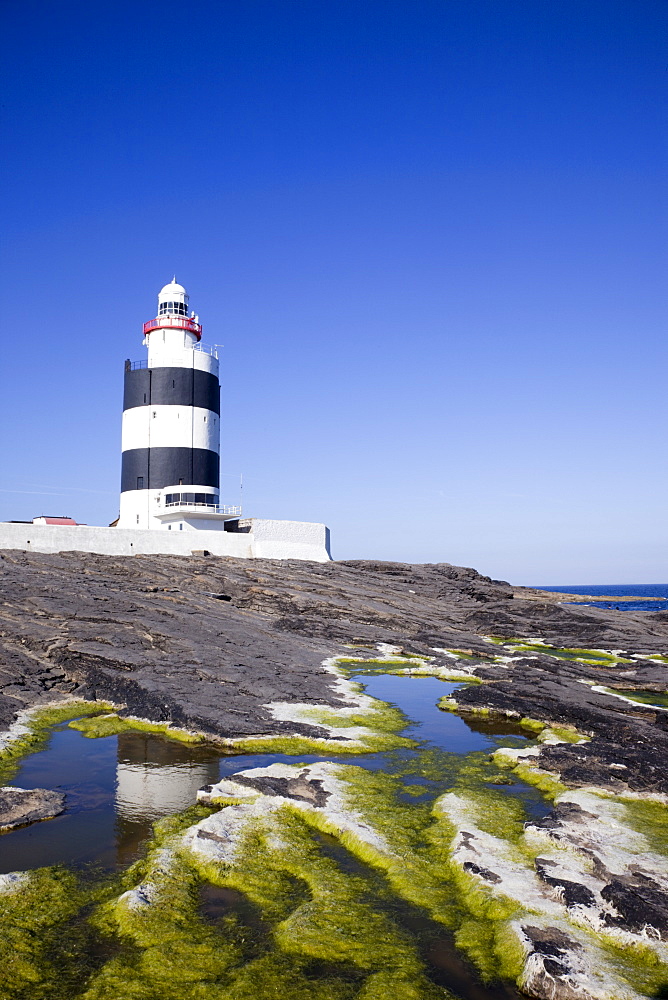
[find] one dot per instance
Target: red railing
(173, 323)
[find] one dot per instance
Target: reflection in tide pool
(116, 788)
(155, 777)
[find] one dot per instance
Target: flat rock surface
(20, 806)
(207, 642)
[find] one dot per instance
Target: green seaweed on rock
(328, 917)
(653, 699)
(593, 657)
(374, 730)
(169, 952)
(319, 912)
(545, 781)
(296, 746)
(47, 948)
(324, 935)
(111, 725)
(650, 818)
(383, 718)
(413, 666)
(636, 964)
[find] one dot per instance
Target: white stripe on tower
(161, 426)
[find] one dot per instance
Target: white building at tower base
(253, 538)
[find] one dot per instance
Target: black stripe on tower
(175, 386)
(155, 468)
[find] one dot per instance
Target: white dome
(172, 291)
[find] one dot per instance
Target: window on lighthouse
(179, 308)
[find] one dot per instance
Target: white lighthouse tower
(171, 426)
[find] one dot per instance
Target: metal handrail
(209, 507)
(200, 348)
(173, 323)
(206, 349)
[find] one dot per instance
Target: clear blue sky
(430, 236)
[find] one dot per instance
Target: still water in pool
(117, 786)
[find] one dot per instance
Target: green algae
(112, 724)
(533, 724)
(446, 674)
(493, 946)
(415, 862)
(392, 664)
(329, 934)
(655, 699)
(46, 949)
(170, 952)
(418, 865)
(449, 704)
(486, 937)
(637, 964)
(296, 746)
(325, 933)
(381, 724)
(415, 666)
(562, 734)
(39, 722)
(318, 911)
(545, 781)
(650, 818)
(593, 657)
(383, 718)
(467, 654)
(499, 815)
(544, 731)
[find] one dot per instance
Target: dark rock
(207, 642)
(641, 908)
(291, 788)
(21, 806)
(554, 957)
(485, 873)
(573, 893)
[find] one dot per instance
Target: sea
(640, 590)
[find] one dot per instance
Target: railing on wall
(174, 323)
(206, 349)
(209, 508)
(131, 366)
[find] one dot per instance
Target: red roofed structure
(45, 519)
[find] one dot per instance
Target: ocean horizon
(640, 590)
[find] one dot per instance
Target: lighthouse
(171, 426)
(170, 496)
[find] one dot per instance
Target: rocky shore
(242, 650)
(207, 643)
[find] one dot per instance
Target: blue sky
(429, 235)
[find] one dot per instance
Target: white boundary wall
(265, 540)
